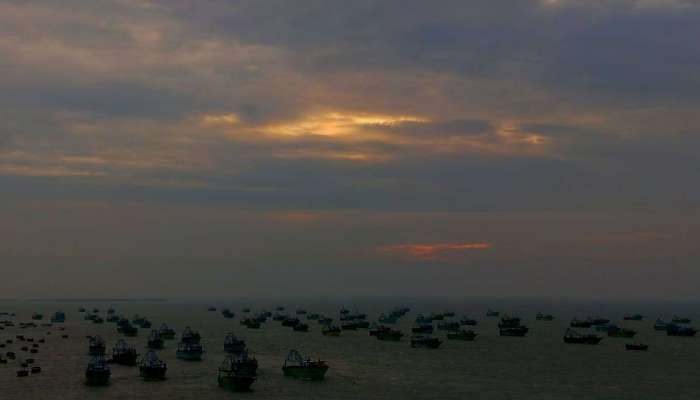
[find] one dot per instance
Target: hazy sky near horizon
(540, 148)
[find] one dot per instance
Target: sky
(365, 148)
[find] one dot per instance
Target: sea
(539, 366)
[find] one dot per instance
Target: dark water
(539, 366)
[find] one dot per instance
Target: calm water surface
(539, 366)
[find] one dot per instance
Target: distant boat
(678, 330)
(58, 317)
(615, 331)
(544, 317)
(573, 337)
(492, 313)
(422, 328)
(190, 351)
(211, 308)
(388, 334)
(638, 347)
(152, 368)
(467, 321)
(123, 354)
(329, 330)
(448, 326)
(166, 332)
(577, 323)
(633, 317)
(425, 342)
(227, 313)
(234, 376)
(296, 366)
(518, 331)
(680, 320)
(155, 342)
(466, 335)
(233, 345)
(660, 325)
(301, 327)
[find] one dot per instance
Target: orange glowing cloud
(432, 251)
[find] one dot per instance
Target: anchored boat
(152, 368)
(296, 366)
(571, 336)
(155, 342)
(425, 342)
(166, 333)
(123, 354)
(233, 345)
(237, 373)
(96, 346)
(467, 335)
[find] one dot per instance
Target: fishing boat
(97, 372)
(301, 311)
(422, 328)
(573, 337)
(492, 313)
(509, 322)
(152, 368)
(251, 323)
(680, 320)
(517, 331)
(123, 354)
(466, 335)
(96, 346)
(233, 345)
(615, 331)
(190, 336)
(425, 342)
(110, 311)
(166, 333)
(211, 308)
(237, 372)
(637, 346)
(679, 330)
(660, 325)
(633, 317)
(59, 317)
(190, 351)
(155, 342)
(296, 366)
(466, 321)
(348, 326)
(37, 316)
(330, 330)
(577, 323)
(544, 317)
(227, 313)
(35, 370)
(598, 320)
(113, 318)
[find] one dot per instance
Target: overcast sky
(535, 148)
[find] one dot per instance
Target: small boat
(660, 325)
(190, 351)
(678, 330)
(166, 333)
(111, 311)
(251, 323)
(330, 330)
(573, 337)
(37, 316)
(301, 311)
(227, 313)
(466, 321)
(425, 342)
(466, 335)
(211, 308)
(190, 336)
(296, 366)
(518, 331)
(233, 345)
(313, 316)
(290, 321)
(238, 372)
(96, 346)
(97, 372)
(577, 323)
(152, 368)
(598, 320)
(509, 322)
(544, 317)
(35, 370)
(123, 354)
(633, 317)
(615, 331)
(492, 313)
(680, 320)
(155, 342)
(388, 319)
(81, 309)
(638, 347)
